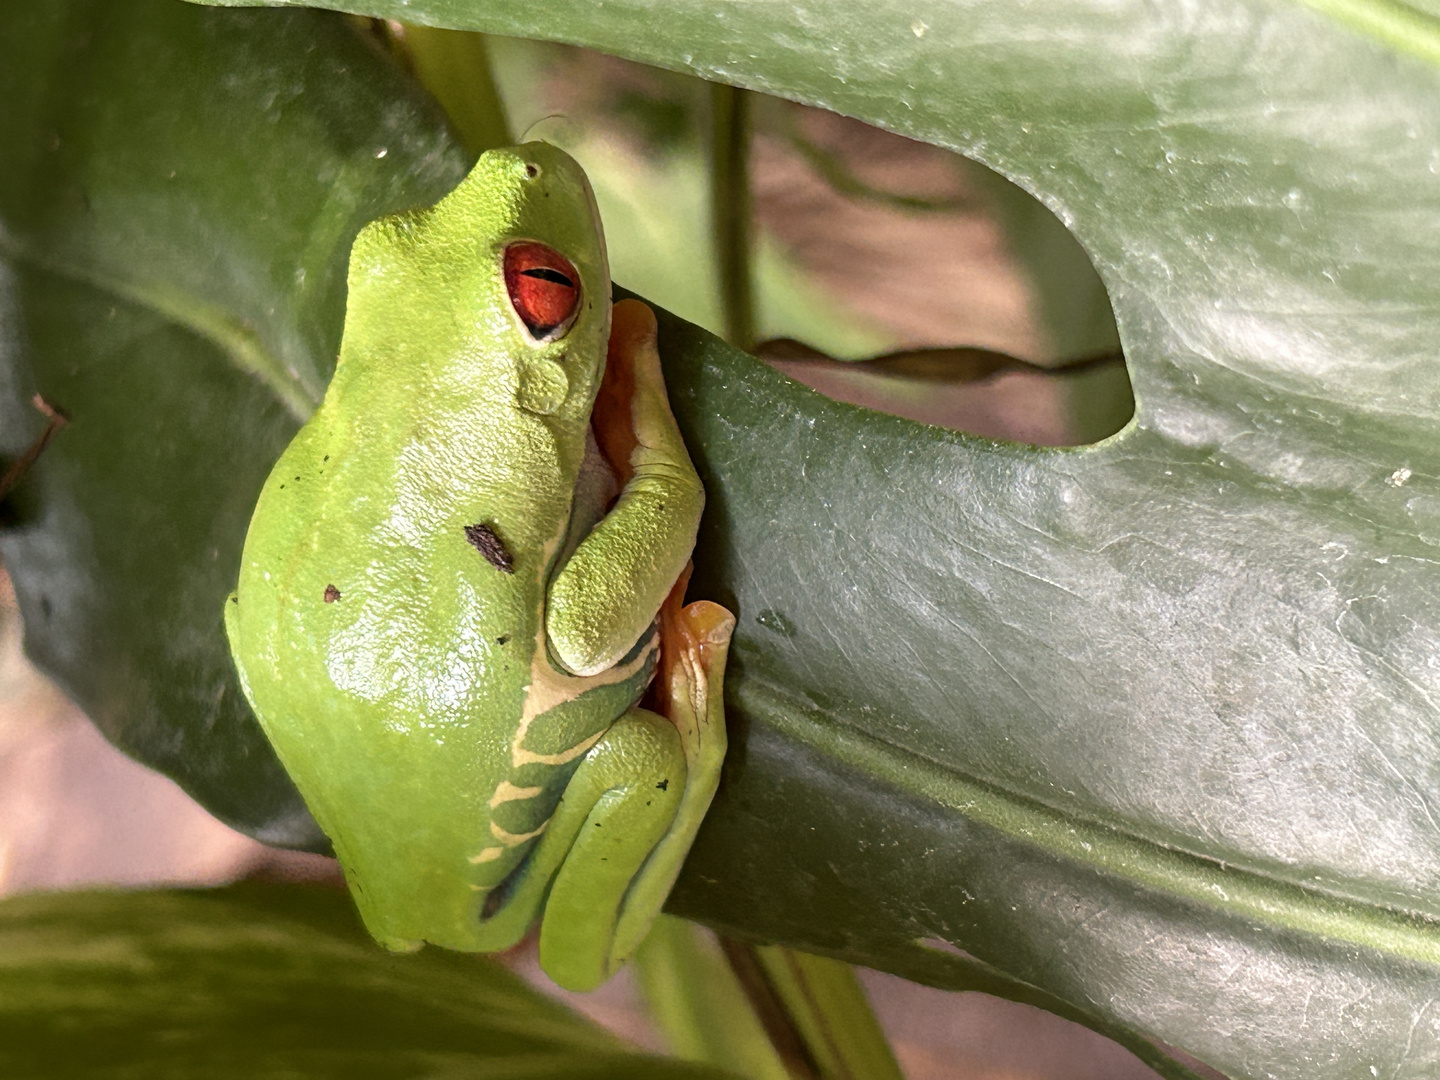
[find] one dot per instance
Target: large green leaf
(1144, 733)
(271, 981)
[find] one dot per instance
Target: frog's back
(389, 620)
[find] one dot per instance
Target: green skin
(435, 713)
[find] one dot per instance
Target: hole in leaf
(884, 272)
(984, 313)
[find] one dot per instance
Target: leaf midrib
(1237, 892)
(1391, 21)
(223, 329)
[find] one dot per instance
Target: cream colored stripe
(549, 688)
(510, 839)
(508, 792)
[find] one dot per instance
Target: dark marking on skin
(493, 902)
(234, 599)
(597, 824)
(325, 458)
(484, 539)
(664, 785)
(331, 594)
(496, 897)
(503, 639)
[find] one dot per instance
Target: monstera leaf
(271, 981)
(1144, 732)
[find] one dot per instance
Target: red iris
(543, 285)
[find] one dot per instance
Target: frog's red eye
(544, 288)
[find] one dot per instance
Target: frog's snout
(520, 162)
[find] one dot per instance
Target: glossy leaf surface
(271, 981)
(1144, 733)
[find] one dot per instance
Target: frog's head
(507, 274)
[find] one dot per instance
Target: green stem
(730, 209)
(829, 1009)
(55, 420)
(780, 1024)
(454, 66)
(698, 1005)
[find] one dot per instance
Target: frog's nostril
(532, 171)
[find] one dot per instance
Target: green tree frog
(446, 618)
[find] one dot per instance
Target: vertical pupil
(544, 273)
(543, 288)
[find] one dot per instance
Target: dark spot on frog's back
(486, 541)
(331, 594)
(664, 785)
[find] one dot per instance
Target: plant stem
(698, 1004)
(815, 1012)
(830, 1011)
(54, 421)
(770, 1010)
(730, 209)
(454, 66)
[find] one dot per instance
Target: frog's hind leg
(618, 807)
(645, 789)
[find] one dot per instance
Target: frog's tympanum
(450, 600)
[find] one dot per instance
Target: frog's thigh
(629, 788)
